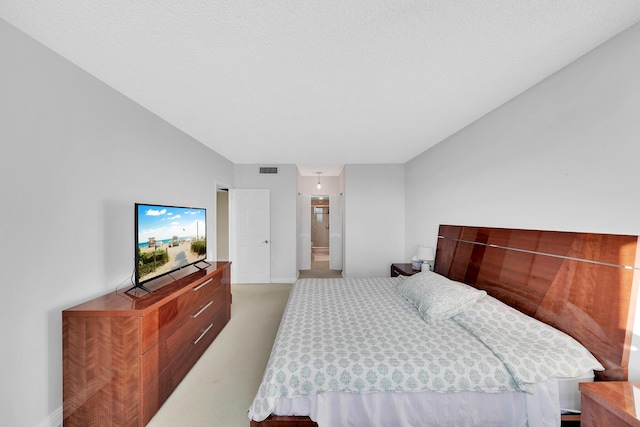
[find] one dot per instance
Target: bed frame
(584, 284)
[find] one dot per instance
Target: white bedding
(441, 409)
(357, 345)
(509, 409)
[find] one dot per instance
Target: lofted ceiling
(316, 83)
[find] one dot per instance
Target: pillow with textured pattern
(437, 297)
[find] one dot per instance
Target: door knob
(266, 241)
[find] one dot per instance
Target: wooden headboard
(584, 284)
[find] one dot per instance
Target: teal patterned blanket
(359, 335)
(531, 351)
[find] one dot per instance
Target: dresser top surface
(139, 300)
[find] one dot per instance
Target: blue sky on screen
(164, 222)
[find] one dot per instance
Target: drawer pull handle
(193, 316)
(203, 334)
(201, 285)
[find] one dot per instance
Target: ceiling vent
(268, 170)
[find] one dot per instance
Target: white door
(304, 233)
(250, 239)
(335, 233)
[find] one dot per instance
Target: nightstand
(402, 269)
(610, 403)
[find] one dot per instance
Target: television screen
(168, 238)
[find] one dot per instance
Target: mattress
(569, 394)
(354, 352)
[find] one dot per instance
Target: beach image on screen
(168, 238)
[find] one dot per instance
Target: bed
(370, 351)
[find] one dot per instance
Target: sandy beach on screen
(179, 256)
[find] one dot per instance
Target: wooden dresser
(123, 355)
(610, 403)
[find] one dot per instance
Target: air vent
(268, 170)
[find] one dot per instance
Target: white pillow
(436, 297)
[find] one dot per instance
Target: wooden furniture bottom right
(610, 403)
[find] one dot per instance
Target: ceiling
(324, 83)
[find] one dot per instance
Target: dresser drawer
(173, 313)
(167, 351)
(168, 362)
(160, 388)
(183, 338)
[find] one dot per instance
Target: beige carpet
(319, 269)
(219, 389)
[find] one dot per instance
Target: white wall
(373, 219)
(331, 185)
(283, 192)
(562, 156)
(76, 156)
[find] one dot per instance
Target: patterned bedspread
(360, 336)
(532, 351)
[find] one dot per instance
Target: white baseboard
(53, 420)
(283, 280)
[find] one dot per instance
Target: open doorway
(222, 224)
(320, 232)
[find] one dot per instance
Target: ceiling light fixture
(319, 186)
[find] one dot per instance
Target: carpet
(220, 388)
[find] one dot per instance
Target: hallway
(319, 266)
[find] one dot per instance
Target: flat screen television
(167, 238)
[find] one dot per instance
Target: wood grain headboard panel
(584, 284)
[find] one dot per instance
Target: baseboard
(53, 420)
(283, 280)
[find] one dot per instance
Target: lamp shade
(426, 254)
